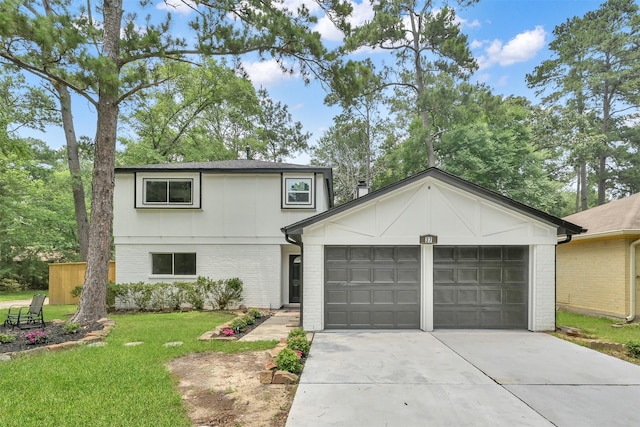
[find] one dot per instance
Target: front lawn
(22, 295)
(600, 327)
(111, 385)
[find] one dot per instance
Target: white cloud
(521, 48)
(181, 7)
(465, 23)
(266, 73)
(476, 44)
(293, 5)
(362, 12)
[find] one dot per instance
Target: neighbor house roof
(563, 227)
(621, 216)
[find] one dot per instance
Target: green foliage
(72, 327)
(249, 320)
(299, 343)
(10, 285)
(288, 360)
(238, 324)
(599, 327)
(633, 348)
(297, 332)
(255, 313)
(77, 291)
(7, 338)
(226, 293)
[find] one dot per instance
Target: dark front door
(294, 278)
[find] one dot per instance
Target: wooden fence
(63, 278)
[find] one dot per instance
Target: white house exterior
(175, 222)
(432, 251)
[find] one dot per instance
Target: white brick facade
(257, 265)
(543, 289)
(313, 291)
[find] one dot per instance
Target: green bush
(288, 360)
(249, 320)
(195, 295)
(140, 294)
(11, 285)
(72, 328)
(255, 313)
(299, 343)
(225, 293)
(77, 291)
(6, 338)
(297, 332)
(238, 324)
(633, 348)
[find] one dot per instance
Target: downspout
(288, 238)
(632, 281)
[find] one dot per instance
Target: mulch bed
(55, 334)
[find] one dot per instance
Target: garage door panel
(381, 290)
(497, 299)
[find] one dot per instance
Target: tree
(426, 41)
(596, 68)
(106, 55)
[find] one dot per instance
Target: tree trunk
(73, 158)
(584, 195)
(92, 305)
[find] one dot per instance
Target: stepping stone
(5, 358)
(97, 344)
(133, 343)
(173, 344)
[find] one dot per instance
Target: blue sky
(508, 38)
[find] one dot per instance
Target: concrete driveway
(462, 378)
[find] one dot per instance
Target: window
(168, 192)
(174, 264)
(298, 192)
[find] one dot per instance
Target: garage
(372, 287)
(432, 251)
(480, 287)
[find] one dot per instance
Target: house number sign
(428, 239)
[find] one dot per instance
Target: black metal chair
(27, 317)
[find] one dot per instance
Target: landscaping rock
(207, 336)
(62, 346)
(173, 344)
(276, 350)
(221, 338)
(270, 365)
(266, 377)
(91, 338)
(598, 345)
(284, 377)
(133, 343)
(5, 358)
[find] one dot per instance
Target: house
(175, 222)
(431, 251)
(598, 270)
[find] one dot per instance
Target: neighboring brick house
(597, 271)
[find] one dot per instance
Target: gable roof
(617, 215)
(563, 227)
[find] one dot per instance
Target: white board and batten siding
(456, 217)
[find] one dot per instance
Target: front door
(295, 261)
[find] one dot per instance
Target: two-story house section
(178, 221)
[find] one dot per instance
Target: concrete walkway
(275, 327)
(462, 378)
(22, 302)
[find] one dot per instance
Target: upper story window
(298, 192)
(168, 191)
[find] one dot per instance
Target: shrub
(35, 337)
(194, 294)
(160, 296)
(238, 324)
(140, 294)
(113, 291)
(6, 338)
(72, 328)
(299, 343)
(297, 332)
(287, 360)
(77, 291)
(226, 292)
(249, 320)
(633, 348)
(255, 313)
(176, 295)
(11, 285)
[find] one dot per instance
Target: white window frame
(287, 179)
(142, 178)
(173, 264)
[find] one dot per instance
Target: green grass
(62, 312)
(112, 385)
(10, 296)
(600, 327)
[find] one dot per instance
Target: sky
(508, 38)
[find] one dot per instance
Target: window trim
(286, 178)
(141, 178)
(173, 264)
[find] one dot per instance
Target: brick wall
(313, 287)
(257, 265)
(543, 304)
(592, 276)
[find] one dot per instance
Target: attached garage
(431, 251)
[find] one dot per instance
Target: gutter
(632, 281)
(293, 241)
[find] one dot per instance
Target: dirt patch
(224, 390)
